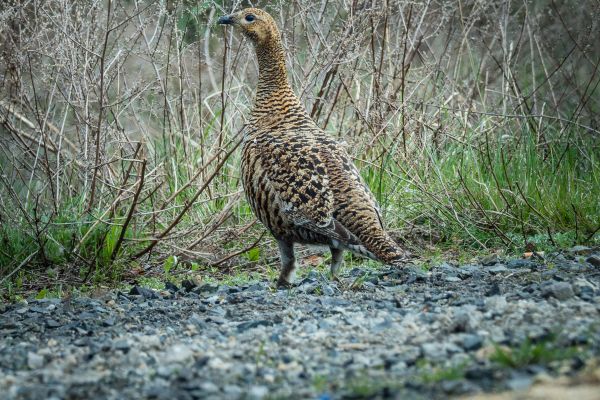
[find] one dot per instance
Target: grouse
(300, 183)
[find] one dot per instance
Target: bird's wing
(300, 179)
(298, 175)
(367, 191)
(349, 170)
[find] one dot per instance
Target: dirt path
(452, 331)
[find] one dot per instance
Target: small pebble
(34, 361)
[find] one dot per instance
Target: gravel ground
(373, 334)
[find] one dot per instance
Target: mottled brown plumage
(300, 183)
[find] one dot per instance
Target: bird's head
(256, 24)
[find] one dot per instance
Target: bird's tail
(382, 248)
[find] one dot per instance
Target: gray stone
(490, 260)
(369, 286)
(446, 268)
(51, 323)
(197, 320)
(519, 382)
(462, 320)
(496, 303)
(206, 289)
(479, 373)
(232, 391)
(257, 287)
(579, 250)
(413, 273)
(310, 327)
(148, 341)
(408, 354)
(496, 269)
(452, 279)
(594, 260)
(571, 265)
(34, 361)
(356, 272)
(517, 264)
(209, 387)
(258, 392)
(158, 391)
(314, 275)
(167, 371)
(434, 351)
(493, 290)
(88, 377)
(327, 290)
(308, 287)
(467, 271)
(460, 386)
(188, 285)
(144, 292)
(217, 311)
(244, 326)
(85, 315)
(178, 353)
(121, 344)
(382, 326)
(558, 290)
(230, 289)
(584, 288)
(471, 342)
(211, 300)
(38, 309)
(451, 348)
(171, 287)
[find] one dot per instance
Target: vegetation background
(475, 123)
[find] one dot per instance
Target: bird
(300, 182)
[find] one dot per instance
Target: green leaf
(169, 264)
(253, 254)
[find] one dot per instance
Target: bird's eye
(250, 17)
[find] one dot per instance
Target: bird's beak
(226, 20)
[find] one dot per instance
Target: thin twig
(130, 212)
(21, 265)
(101, 108)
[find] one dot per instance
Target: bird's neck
(274, 95)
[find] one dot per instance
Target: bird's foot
(283, 283)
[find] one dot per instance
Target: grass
(503, 193)
(529, 353)
(64, 239)
(430, 375)
(366, 386)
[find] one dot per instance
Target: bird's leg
(288, 263)
(337, 257)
